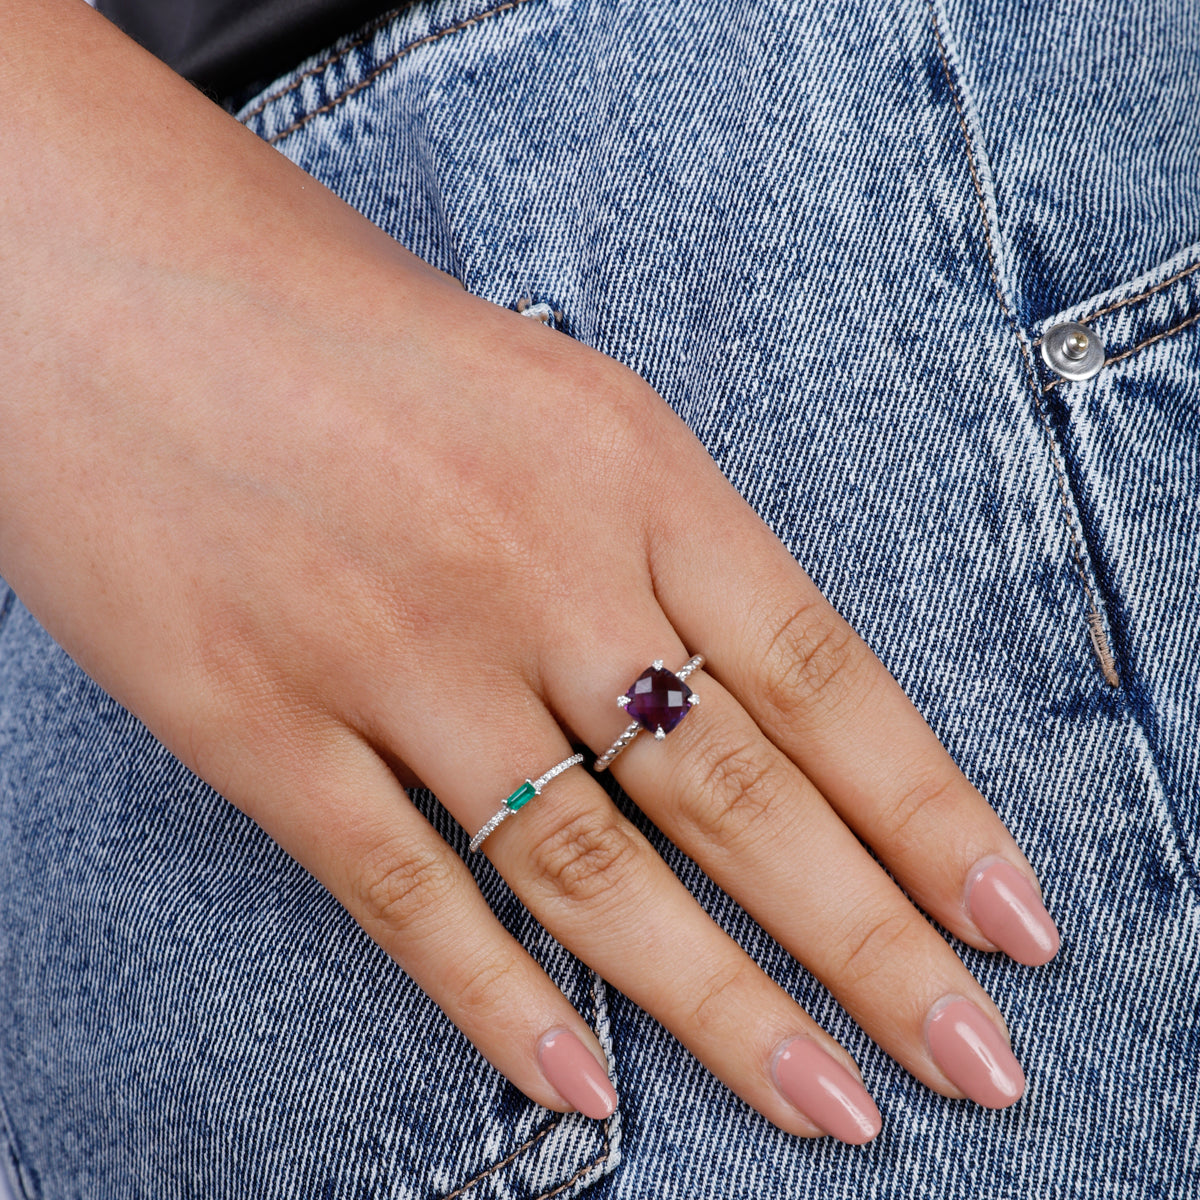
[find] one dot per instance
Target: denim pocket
(328, 81)
(1131, 442)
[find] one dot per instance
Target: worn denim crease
(830, 237)
(6, 603)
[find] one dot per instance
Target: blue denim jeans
(832, 237)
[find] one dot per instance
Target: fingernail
(573, 1072)
(1006, 907)
(825, 1092)
(974, 1055)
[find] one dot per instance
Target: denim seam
(612, 1125)
(1116, 358)
(1158, 287)
(386, 65)
(1098, 636)
(537, 1137)
(338, 53)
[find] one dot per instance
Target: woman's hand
(327, 523)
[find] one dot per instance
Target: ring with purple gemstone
(658, 700)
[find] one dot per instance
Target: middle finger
(722, 792)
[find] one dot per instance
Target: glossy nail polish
(825, 1092)
(973, 1054)
(1006, 908)
(573, 1072)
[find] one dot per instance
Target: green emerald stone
(521, 797)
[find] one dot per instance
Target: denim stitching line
(537, 1137)
(612, 1127)
(1158, 337)
(611, 1137)
(1096, 632)
(562, 1187)
(366, 35)
(1158, 287)
(387, 64)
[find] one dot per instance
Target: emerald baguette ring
(658, 700)
(521, 797)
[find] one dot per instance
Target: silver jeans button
(1073, 351)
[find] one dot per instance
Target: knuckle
(487, 985)
(398, 884)
(721, 994)
(735, 787)
(814, 659)
(867, 944)
(587, 858)
(920, 806)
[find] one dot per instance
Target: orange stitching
(541, 1133)
(1108, 664)
(562, 1187)
(1063, 490)
(1158, 337)
(366, 36)
(1158, 287)
(962, 124)
(387, 64)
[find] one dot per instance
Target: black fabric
(227, 47)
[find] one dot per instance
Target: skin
(257, 477)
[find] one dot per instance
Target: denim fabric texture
(832, 237)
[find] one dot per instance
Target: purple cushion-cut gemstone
(658, 700)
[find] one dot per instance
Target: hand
(326, 523)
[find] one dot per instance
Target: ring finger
(599, 887)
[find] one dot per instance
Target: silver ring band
(517, 801)
(635, 727)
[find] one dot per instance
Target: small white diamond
(622, 701)
(658, 734)
(657, 664)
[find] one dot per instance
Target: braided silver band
(634, 728)
(521, 797)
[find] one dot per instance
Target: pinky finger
(415, 897)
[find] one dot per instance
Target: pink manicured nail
(575, 1075)
(1005, 906)
(974, 1055)
(825, 1092)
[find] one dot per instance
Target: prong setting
(655, 704)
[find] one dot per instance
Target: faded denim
(831, 236)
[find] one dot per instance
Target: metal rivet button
(1073, 351)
